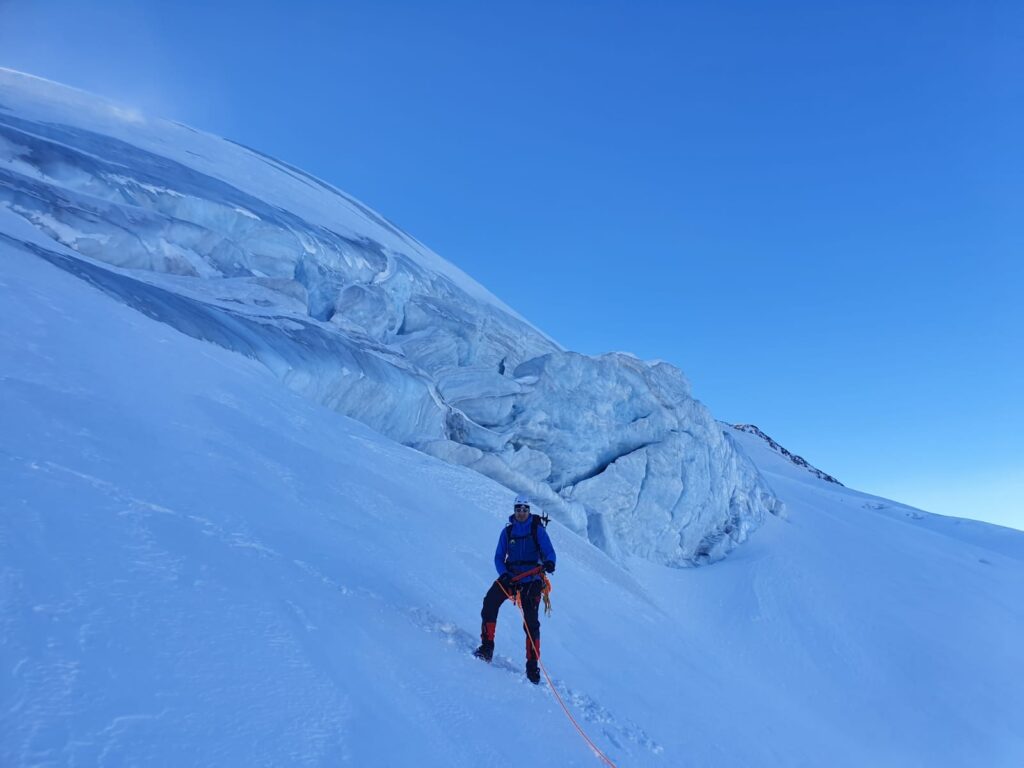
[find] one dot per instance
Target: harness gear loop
(545, 590)
(546, 594)
(514, 597)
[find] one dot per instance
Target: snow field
(201, 567)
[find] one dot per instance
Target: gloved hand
(549, 566)
(506, 581)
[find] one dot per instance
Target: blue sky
(814, 209)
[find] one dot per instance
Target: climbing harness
(515, 598)
(545, 590)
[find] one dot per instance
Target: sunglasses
(522, 507)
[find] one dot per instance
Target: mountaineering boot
(485, 651)
(532, 655)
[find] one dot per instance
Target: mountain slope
(230, 246)
(272, 583)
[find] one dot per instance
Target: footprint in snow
(585, 709)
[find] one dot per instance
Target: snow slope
(200, 567)
(230, 246)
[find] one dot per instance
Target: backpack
(535, 521)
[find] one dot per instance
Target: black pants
(530, 596)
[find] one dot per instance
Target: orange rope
(597, 752)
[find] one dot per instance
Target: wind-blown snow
(230, 246)
(200, 567)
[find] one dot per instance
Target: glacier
(257, 445)
(202, 567)
(233, 247)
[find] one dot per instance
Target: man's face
(522, 512)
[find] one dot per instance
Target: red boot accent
(530, 655)
(487, 631)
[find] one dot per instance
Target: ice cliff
(228, 245)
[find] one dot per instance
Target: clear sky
(815, 209)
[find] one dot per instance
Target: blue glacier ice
(236, 248)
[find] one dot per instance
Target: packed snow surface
(201, 567)
(233, 247)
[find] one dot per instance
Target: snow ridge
(799, 461)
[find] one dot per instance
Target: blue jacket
(523, 554)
